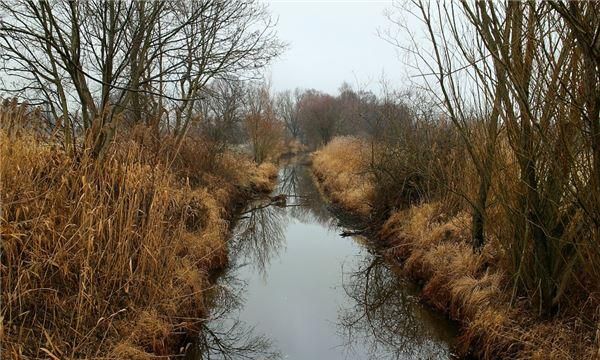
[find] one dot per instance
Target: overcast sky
(331, 42)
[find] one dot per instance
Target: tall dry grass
(342, 169)
(475, 288)
(111, 259)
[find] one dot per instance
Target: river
(297, 289)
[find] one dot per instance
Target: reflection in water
(288, 291)
(385, 316)
(259, 237)
(225, 336)
(308, 207)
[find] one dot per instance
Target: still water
(296, 289)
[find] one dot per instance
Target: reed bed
(111, 259)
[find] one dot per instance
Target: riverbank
(112, 258)
(433, 249)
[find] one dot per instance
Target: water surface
(296, 289)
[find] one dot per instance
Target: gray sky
(331, 42)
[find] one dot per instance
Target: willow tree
(453, 63)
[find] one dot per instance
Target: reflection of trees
(288, 179)
(232, 339)
(306, 203)
(259, 236)
(225, 336)
(382, 315)
(386, 319)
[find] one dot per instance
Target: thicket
(532, 145)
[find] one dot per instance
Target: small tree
(265, 131)
(288, 111)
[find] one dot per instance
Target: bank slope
(434, 250)
(111, 259)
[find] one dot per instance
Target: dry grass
(474, 288)
(341, 170)
(110, 259)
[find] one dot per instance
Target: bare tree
(264, 129)
(458, 63)
(286, 104)
(537, 95)
(98, 58)
(222, 111)
(320, 118)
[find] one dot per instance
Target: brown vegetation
(474, 288)
(117, 187)
(265, 130)
(530, 128)
(341, 170)
(489, 192)
(434, 247)
(111, 258)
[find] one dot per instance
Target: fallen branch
(347, 233)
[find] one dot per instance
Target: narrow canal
(296, 289)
